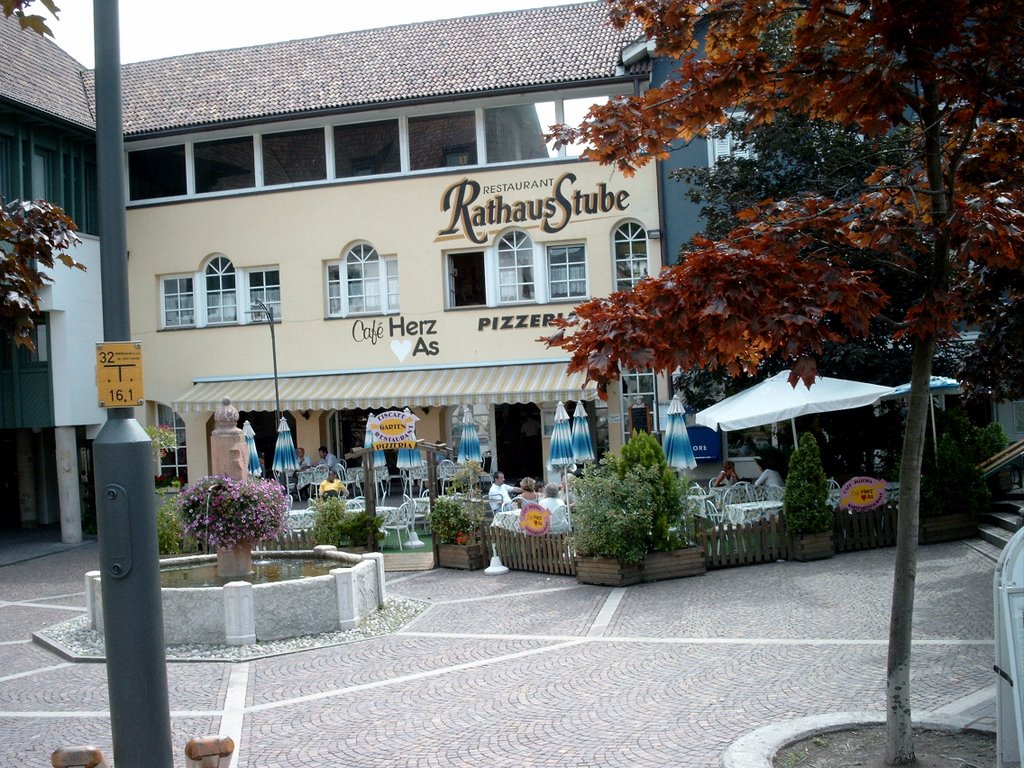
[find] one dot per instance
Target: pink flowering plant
(221, 512)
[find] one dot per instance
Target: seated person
(332, 486)
(528, 486)
(727, 476)
(767, 477)
(499, 492)
(326, 457)
(551, 500)
(304, 462)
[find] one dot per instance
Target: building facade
(409, 229)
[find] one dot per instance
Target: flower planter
(467, 557)
(804, 547)
(607, 572)
(235, 562)
(961, 525)
(677, 564)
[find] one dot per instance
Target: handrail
(993, 464)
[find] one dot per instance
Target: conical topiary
(805, 501)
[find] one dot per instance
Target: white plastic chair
(355, 504)
(774, 493)
(319, 475)
(400, 519)
(354, 479)
(561, 520)
(737, 493)
(445, 472)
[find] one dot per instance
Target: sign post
(1008, 595)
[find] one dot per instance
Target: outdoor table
(751, 511)
(303, 479)
(508, 520)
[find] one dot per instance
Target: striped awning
(531, 383)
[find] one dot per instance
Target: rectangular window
(441, 141)
(156, 173)
(366, 149)
(391, 273)
(295, 156)
(225, 164)
(567, 271)
(335, 297)
(467, 285)
(574, 110)
(44, 170)
(265, 285)
(179, 302)
(221, 298)
(516, 132)
(638, 387)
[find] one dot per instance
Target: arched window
(630, 255)
(362, 282)
(515, 268)
(221, 296)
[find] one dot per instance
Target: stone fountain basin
(241, 613)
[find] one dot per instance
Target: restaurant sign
(392, 429)
(474, 208)
(862, 493)
(534, 519)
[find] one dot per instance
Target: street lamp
(269, 314)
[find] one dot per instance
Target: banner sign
(392, 429)
(706, 443)
(534, 519)
(863, 493)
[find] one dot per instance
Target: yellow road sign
(119, 373)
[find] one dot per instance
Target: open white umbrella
(286, 459)
(678, 450)
(254, 458)
(560, 455)
(582, 445)
(469, 443)
(774, 399)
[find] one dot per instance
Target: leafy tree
(799, 272)
(33, 234)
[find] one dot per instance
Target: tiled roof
(35, 72)
(424, 61)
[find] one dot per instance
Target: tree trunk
(899, 737)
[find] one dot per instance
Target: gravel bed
(75, 639)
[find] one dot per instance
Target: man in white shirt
(499, 492)
(304, 462)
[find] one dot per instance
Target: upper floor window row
(219, 294)
(488, 135)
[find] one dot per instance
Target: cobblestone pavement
(526, 670)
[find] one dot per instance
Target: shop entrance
(517, 427)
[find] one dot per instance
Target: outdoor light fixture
(269, 314)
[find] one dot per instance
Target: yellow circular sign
(534, 519)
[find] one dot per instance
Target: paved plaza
(527, 670)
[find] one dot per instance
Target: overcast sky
(152, 29)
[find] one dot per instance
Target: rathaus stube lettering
(553, 213)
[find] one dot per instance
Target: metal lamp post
(269, 314)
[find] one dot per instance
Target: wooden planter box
(658, 566)
(607, 572)
(467, 557)
(804, 547)
(932, 530)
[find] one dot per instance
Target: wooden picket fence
(551, 553)
(867, 529)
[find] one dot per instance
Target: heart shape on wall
(401, 348)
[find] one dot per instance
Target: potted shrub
(809, 520)
(953, 489)
(455, 526)
(335, 524)
(671, 550)
(230, 515)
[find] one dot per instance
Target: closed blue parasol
(410, 458)
(469, 443)
(678, 450)
(250, 442)
(582, 445)
(286, 460)
(379, 460)
(561, 439)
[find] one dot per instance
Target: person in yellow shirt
(332, 486)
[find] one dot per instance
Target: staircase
(1002, 519)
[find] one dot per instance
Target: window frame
(339, 285)
(625, 284)
(568, 279)
(523, 251)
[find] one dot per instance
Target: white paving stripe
(234, 707)
(604, 617)
(31, 672)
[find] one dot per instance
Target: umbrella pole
(792, 423)
(935, 438)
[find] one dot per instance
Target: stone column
(68, 485)
(229, 455)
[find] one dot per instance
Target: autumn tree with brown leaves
(33, 233)
(800, 272)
